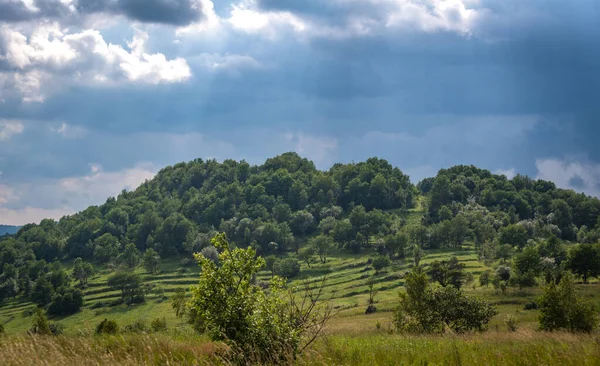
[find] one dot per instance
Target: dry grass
(523, 347)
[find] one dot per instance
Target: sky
(98, 95)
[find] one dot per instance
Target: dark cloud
(16, 11)
(174, 12)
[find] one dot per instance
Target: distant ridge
(8, 229)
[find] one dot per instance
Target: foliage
(381, 262)
(82, 271)
(130, 256)
(228, 306)
(286, 268)
(66, 301)
(39, 323)
(151, 261)
(178, 303)
(446, 273)
(159, 325)
(322, 245)
(431, 310)
(130, 285)
(584, 260)
(138, 326)
(107, 327)
(211, 253)
(561, 308)
(511, 323)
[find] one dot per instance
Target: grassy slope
(346, 286)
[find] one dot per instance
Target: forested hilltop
(280, 205)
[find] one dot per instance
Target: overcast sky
(98, 95)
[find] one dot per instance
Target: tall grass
(518, 348)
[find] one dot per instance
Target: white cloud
(431, 15)
(68, 131)
(67, 195)
(509, 173)
(50, 52)
(571, 174)
(9, 129)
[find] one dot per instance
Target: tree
(39, 323)
(560, 308)
(42, 291)
(504, 252)
(130, 285)
(515, 235)
(423, 309)
(396, 244)
(584, 260)
(417, 254)
(322, 245)
(178, 303)
(306, 254)
(106, 247)
(485, 277)
(343, 232)
(286, 268)
(528, 261)
(131, 255)
(82, 271)
(151, 261)
(381, 262)
(447, 272)
(228, 306)
(372, 293)
(302, 222)
(66, 301)
(270, 264)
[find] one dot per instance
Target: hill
(8, 229)
(333, 223)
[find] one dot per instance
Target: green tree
(306, 254)
(42, 291)
(130, 285)
(486, 277)
(66, 301)
(584, 260)
(178, 303)
(287, 268)
(323, 245)
(39, 323)
(131, 255)
(82, 271)
(381, 262)
(561, 308)
(151, 261)
(447, 272)
(515, 235)
(106, 247)
(423, 309)
(228, 306)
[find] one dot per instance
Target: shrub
(138, 326)
(560, 308)
(159, 325)
(130, 285)
(287, 268)
(211, 253)
(39, 323)
(228, 306)
(381, 262)
(107, 327)
(186, 262)
(66, 301)
(2, 330)
(423, 309)
(56, 329)
(531, 306)
(511, 323)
